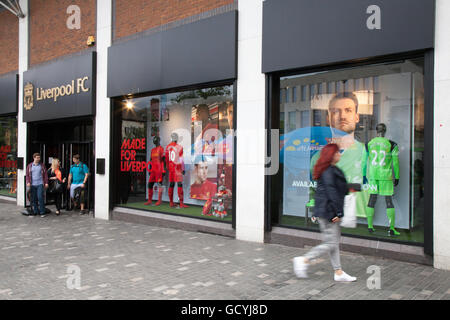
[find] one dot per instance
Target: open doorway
(63, 140)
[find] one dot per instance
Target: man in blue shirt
(37, 180)
(78, 175)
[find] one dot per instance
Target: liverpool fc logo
(28, 96)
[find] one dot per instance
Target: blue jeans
(37, 195)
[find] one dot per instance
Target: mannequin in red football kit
(175, 165)
(157, 171)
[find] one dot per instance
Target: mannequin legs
(390, 213)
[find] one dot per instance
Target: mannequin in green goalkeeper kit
(382, 156)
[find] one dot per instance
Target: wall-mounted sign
(154, 62)
(305, 33)
(60, 89)
(64, 90)
(8, 94)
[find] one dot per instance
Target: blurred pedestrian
(329, 209)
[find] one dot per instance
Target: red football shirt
(201, 190)
(174, 157)
(157, 156)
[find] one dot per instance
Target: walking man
(78, 175)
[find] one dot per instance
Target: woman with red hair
(329, 208)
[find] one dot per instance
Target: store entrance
(63, 140)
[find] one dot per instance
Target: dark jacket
(52, 174)
(43, 172)
(330, 193)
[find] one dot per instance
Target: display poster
(204, 178)
(212, 136)
(205, 135)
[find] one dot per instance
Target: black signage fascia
(9, 85)
(76, 73)
(200, 52)
(306, 33)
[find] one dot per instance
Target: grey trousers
(331, 235)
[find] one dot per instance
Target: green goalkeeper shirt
(382, 156)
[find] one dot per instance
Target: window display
(8, 156)
(177, 149)
(375, 114)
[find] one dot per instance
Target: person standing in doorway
(37, 181)
(329, 201)
(78, 176)
(57, 178)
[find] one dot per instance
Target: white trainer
(300, 267)
(344, 277)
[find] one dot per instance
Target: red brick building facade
(50, 37)
(133, 16)
(9, 44)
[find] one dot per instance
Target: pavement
(78, 257)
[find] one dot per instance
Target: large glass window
(8, 156)
(375, 114)
(176, 153)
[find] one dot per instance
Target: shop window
(368, 83)
(175, 153)
(330, 87)
(305, 119)
(376, 115)
(312, 91)
(317, 118)
(282, 121)
(304, 89)
(294, 94)
(292, 120)
(8, 156)
(320, 88)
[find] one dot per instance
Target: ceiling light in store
(129, 104)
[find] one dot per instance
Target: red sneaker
(148, 203)
(172, 204)
(158, 203)
(182, 205)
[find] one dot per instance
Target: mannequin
(383, 155)
(157, 171)
(175, 165)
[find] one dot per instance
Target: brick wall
(9, 42)
(133, 16)
(50, 37)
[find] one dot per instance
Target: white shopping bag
(349, 218)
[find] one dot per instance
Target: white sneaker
(300, 267)
(344, 277)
